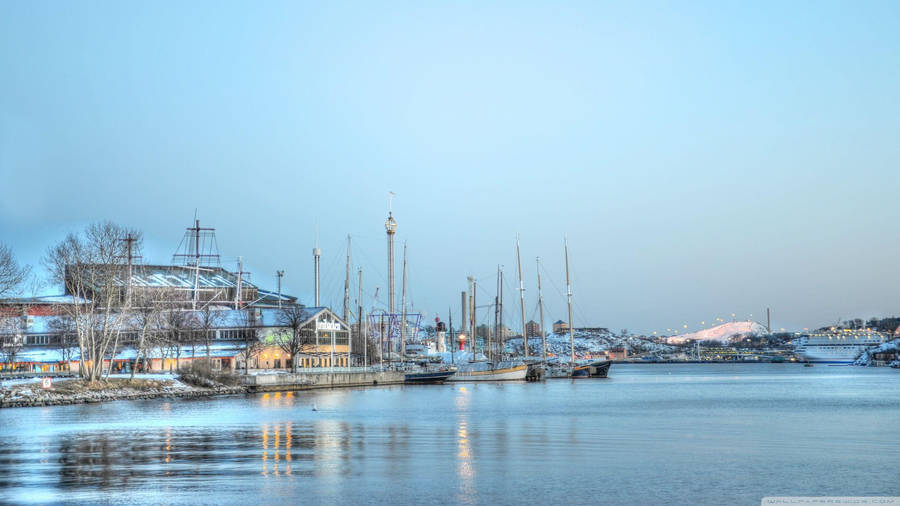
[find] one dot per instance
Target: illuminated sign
(324, 325)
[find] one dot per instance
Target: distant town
(117, 314)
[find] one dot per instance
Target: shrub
(201, 373)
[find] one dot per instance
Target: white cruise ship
(838, 347)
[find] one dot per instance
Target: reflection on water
(651, 434)
(465, 468)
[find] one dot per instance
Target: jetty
(323, 378)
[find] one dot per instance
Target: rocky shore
(77, 391)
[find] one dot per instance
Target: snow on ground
(161, 376)
(724, 333)
(589, 343)
(866, 357)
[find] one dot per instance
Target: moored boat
(428, 377)
(838, 347)
(489, 371)
(596, 369)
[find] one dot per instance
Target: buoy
(314, 407)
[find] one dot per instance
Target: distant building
(619, 353)
(532, 329)
(560, 326)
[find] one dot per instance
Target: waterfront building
(532, 329)
(560, 326)
(41, 340)
(618, 353)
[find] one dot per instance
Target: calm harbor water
(674, 434)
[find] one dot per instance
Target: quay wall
(306, 381)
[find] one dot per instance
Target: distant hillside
(725, 333)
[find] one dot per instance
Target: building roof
(40, 300)
(222, 318)
(44, 355)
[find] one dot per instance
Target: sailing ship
(486, 370)
(589, 369)
(508, 370)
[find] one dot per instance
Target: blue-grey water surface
(651, 434)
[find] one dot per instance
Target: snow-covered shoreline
(28, 393)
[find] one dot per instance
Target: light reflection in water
(464, 468)
(464, 444)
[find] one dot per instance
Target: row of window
(228, 335)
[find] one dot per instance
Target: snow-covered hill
(589, 343)
(725, 333)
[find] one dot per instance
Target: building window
(45, 339)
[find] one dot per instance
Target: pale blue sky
(705, 158)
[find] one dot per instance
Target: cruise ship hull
(834, 351)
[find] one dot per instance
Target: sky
(704, 159)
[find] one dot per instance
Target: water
(674, 434)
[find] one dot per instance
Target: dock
(322, 378)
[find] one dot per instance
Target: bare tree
(90, 267)
(11, 339)
(177, 329)
(66, 341)
(12, 275)
(294, 339)
(208, 320)
(147, 317)
(252, 329)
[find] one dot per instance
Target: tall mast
(316, 254)
(522, 297)
(497, 328)
(129, 257)
(196, 263)
(279, 274)
(471, 322)
(240, 280)
(403, 310)
(541, 306)
(194, 258)
(500, 322)
(347, 284)
(569, 296)
(463, 323)
(360, 322)
(474, 346)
